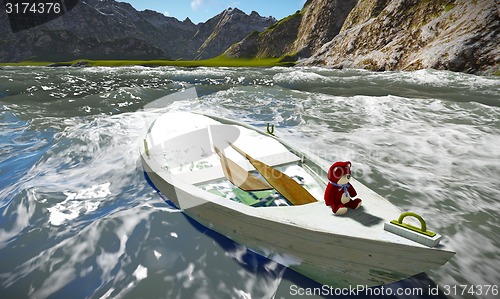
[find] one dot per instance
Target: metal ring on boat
(270, 129)
(422, 229)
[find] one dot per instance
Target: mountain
(300, 34)
(93, 29)
(227, 28)
(456, 35)
(107, 29)
(276, 41)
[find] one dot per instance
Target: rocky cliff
(107, 29)
(302, 33)
(276, 41)
(457, 35)
(322, 21)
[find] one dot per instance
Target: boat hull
(337, 260)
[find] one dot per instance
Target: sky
(202, 10)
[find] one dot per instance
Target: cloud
(196, 4)
(166, 13)
(234, 4)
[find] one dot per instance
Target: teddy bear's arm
(352, 191)
(328, 195)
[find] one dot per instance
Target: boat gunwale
(242, 208)
(419, 256)
(188, 189)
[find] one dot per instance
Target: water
(79, 220)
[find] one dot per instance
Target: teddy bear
(339, 192)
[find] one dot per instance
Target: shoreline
(212, 62)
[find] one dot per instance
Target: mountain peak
(255, 14)
(234, 10)
(187, 21)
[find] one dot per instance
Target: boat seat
(205, 175)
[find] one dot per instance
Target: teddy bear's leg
(339, 209)
(354, 204)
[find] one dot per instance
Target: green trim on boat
(245, 197)
(217, 192)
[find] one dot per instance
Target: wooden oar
(245, 180)
(285, 185)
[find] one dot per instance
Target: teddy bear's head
(340, 172)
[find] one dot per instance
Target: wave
(77, 211)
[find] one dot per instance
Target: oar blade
(285, 185)
(239, 177)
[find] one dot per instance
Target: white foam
(441, 78)
(141, 272)
(78, 203)
(108, 293)
(285, 259)
(23, 214)
(242, 294)
(300, 76)
(189, 275)
(55, 282)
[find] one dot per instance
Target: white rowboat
(178, 156)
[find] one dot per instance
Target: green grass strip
(220, 61)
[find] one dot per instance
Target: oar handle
(217, 151)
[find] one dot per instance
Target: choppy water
(78, 219)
